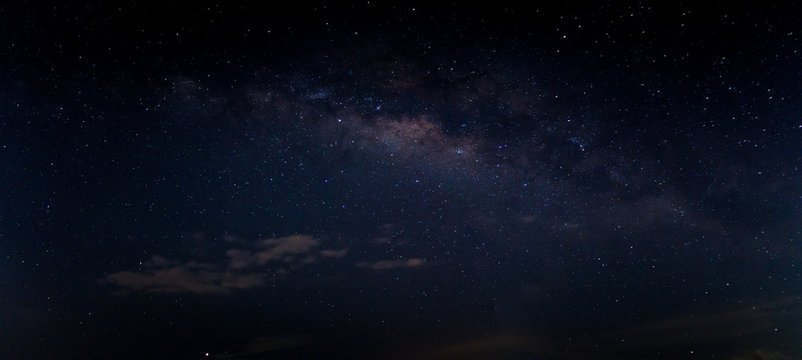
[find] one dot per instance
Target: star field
(577, 181)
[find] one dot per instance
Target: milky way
(386, 182)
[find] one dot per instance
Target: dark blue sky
(569, 181)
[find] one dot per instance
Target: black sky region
(562, 180)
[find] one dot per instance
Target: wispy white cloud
(240, 271)
(393, 264)
(284, 248)
(243, 268)
(160, 275)
(334, 253)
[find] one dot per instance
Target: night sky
(608, 180)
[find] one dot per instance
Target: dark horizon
(386, 181)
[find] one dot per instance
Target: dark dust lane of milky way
(562, 180)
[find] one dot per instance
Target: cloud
(241, 270)
(334, 253)
(392, 264)
(159, 275)
(284, 248)
(239, 259)
(381, 240)
(275, 249)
